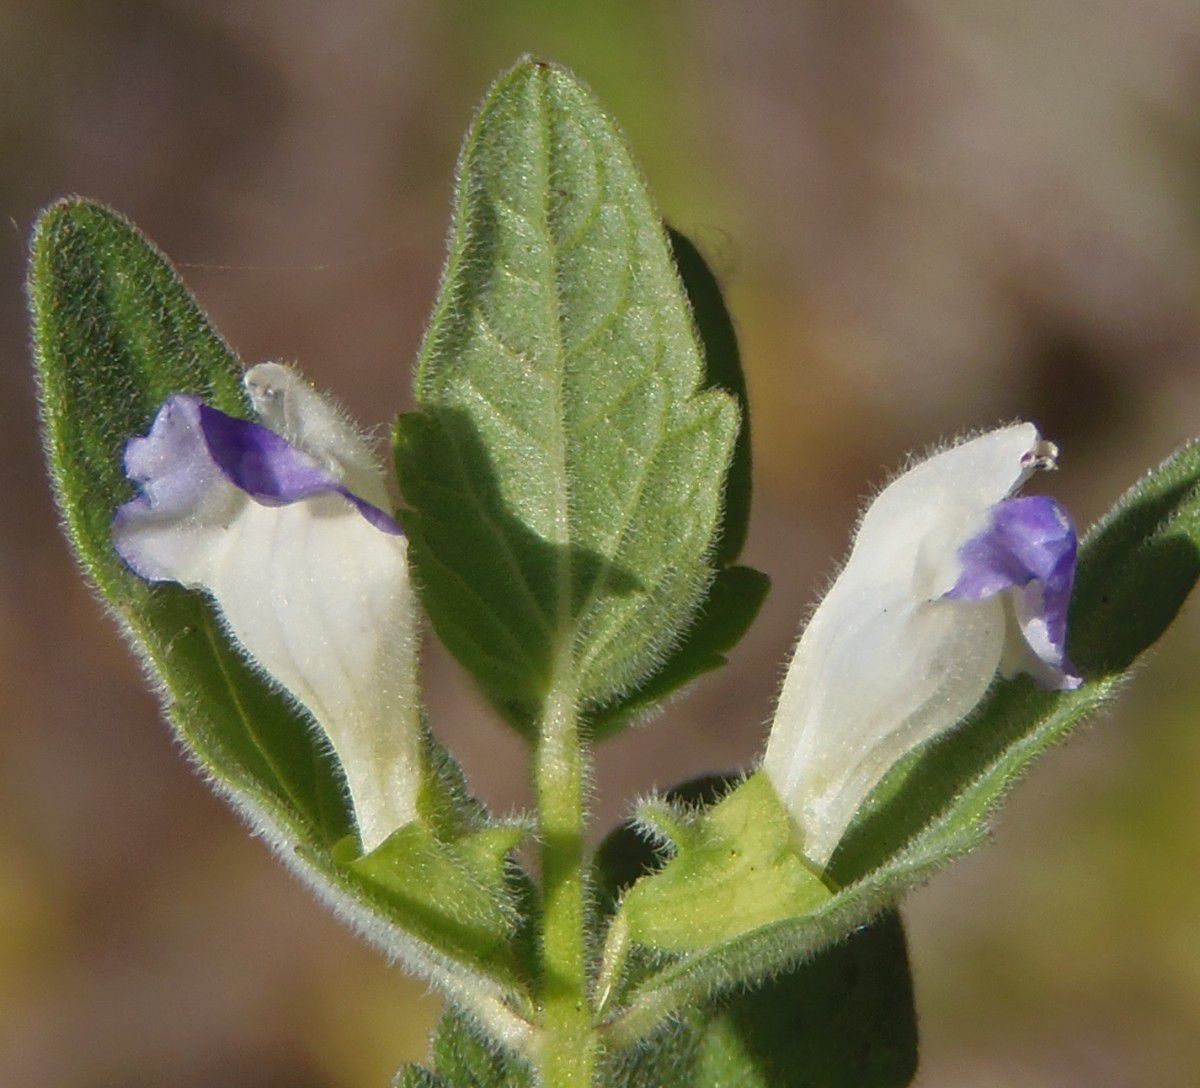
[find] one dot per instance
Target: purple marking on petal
(257, 460)
(190, 445)
(1030, 546)
(174, 474)
(271, 470)
(170, 460)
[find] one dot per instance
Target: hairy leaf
(734, 869)
(844, 1017)
(737, 594)
(566, 467)
(723, 370)
(732, 604)
(465, 1057)
(413, 1076)
(115, 333)
(417, 876)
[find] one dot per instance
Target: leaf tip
(65, 212)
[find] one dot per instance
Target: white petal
(886, 663)
(312, 582)
(321, 600)
(313, 422)
(926, 513)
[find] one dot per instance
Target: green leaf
(413, 1076)
(735, 868)
(844, 1016)
(454, 895)
(844, 1019)
(115, 333)
(566, 467)
(722, 370)
(732, 604)
(1136, 568)
(781, 946)
(465, 1057)
(668, 1059)
(737, 594)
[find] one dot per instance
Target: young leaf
(843, 1018)
(465, 1058)
(413, 1076)
(115, 333)
(565, 469)
(734, 869)
(668, 1059)
(451, 894)
(778, 947)
(1137, 566)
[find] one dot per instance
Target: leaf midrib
(558, 445)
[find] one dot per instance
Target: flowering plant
(567, 507)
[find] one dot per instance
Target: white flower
(288, 531)
(949, 581)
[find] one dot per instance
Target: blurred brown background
(929, 216)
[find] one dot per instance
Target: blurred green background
(928, 217)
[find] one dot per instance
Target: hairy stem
(569, 1047)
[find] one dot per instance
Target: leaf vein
(489, 331)
(471, 385)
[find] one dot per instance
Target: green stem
(568, 1053)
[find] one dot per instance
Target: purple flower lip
(1029, 547)
(253, 458)
(273, 471)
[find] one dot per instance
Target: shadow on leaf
(500, 596)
